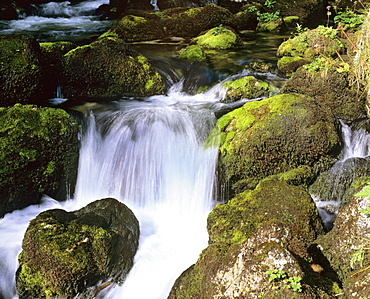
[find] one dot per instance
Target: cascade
(330, 191)
(150, 155)
(154, 4)
(59, 21)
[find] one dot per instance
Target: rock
(23, 76)
(256, 233)
(247, 87)
(331, 89)
(273, 136)
(193, 53)
(39, 155)
(246, 17)
(219, 38)
(65, 253)
(193, 21)
(345, 247)
(106, 69)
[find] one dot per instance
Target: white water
(356, 144)
(59, 21)
(150, 155)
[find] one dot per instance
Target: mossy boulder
(331, 89)
(52, 53)
(345, 247)
(246, 17)
(108, 68)
(24, 77)
(138, 26)
(219, 38)
(193, 53)
(247, 87)
(39, 155)
(193, 21)
(65, 253)
(258, 230)
(272, 136)
(315, 42)
(287, 65)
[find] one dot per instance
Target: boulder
(218, 38)
(66, 253)
(346, 246)
(331, 89)
(24, 77)
(106, 69)
(256, 240)
(39, 155)
(272, 136)
(246, 87)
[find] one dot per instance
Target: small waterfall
(150, 155)
(59, 21)
(154, 4)
(333, 188)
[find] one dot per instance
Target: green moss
(33, 141)
(284, 61)
(224, 40)
(193, 53)
(271, 26)
(131, 21)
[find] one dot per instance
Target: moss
(218, 39)
(193, 53)
(33, 143)
(271, 136)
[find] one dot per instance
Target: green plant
(327, 31)
(293, 283)
(357, 257)
(268, 16)
(270, 3)
(365, 193)
(219, 30)
(251, 8)
(349, 19)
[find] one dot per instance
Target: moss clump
(272, 136)
(65, 253)
(38, 152)
(193, 53)
(108, 68)
(247, 87)
(23, 76)
(219, 38)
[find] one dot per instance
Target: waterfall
(154, 4)
(150, 155)
(333, 188)
(60, 21)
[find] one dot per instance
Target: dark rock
(65, 253)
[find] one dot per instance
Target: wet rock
(23, 76)
(39, 155)
(65, 253)
(256, 232)
(273, 136)
(219, 38)
(346, 247)
(193, 53)
(247, 87)
(106, 69)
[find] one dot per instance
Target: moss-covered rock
(193, 21)
(108, 68)
(257, 231)
(322, 40)
(246, 17)
(271, 136)
(38, 155)
(247, 87)
(346, 247)
(193, 53)
(52, 53)
(65, 253)
(138, 26)
(23, 76)
(287, 65)
(331, 89)
(219, 38)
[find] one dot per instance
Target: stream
(148, 153)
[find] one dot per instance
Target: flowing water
(55, 21)
(148, 153)
(353, 163)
